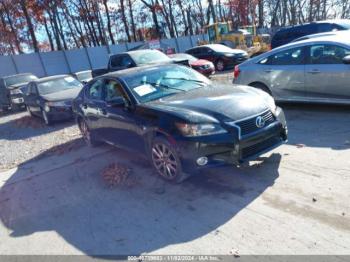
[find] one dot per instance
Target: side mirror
(346, 60)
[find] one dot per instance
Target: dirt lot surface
(61, 197)
(23, 138)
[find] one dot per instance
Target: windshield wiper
(164, 86)
(185, 79)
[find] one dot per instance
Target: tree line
(48, 25)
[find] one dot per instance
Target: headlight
(199, 129)
(15, 91)
(272, 104)
(54, 104)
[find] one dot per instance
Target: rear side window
(294, 56)
(327, 54)
(279, 35)
(120, 61)
(326, 27)
(193, 51)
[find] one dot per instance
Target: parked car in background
(133, 59)
(11, 90)
(222, 56)
(203, 66)
(51, 97)
(288, 34)
(179, 118)
(83, 76)
(313, 70)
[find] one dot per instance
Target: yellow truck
(243, 38)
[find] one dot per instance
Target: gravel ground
(23, 137)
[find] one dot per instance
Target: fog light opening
(202, 161)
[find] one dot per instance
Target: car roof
(49, 78)
(336, 38)
(137, 52)
(334, 21)
(208, 45)
(80, 72)
(22, 74)
(332, 34)
(135, 70)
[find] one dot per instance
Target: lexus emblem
(260, 122)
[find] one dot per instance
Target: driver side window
(113, 91)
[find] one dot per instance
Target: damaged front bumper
(233, 147)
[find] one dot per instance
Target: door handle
(268, 70)
(315, 71)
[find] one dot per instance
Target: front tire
(166, 161)
(86, 133)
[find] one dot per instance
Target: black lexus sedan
(223, 57)
(51, 97)
(178, 118)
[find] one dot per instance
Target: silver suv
(311, 70)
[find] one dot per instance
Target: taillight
(237, 71)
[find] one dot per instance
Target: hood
(68, 94)
(200, 62)
(214, 103)
(19, 85)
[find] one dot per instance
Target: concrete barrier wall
(65, 62)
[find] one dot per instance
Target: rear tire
(166, 161)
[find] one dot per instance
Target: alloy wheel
(165, 161)
(85, 132)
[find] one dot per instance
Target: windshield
(154, 84)
(149, 57)
(18, 79)
(221, 48)
(184, 57)
(84, 75)
(345, 24)
(58, 84)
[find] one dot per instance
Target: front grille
(259, 147)
(20, 95)
(249, 125)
